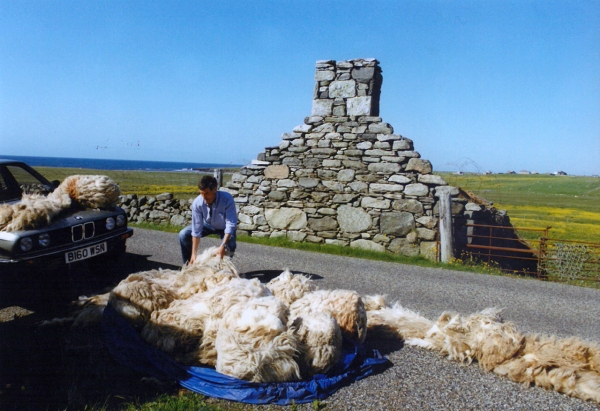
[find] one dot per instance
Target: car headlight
(44, 239)
(26, 244)
(110, 223)
(121, 220)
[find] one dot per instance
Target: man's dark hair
(207, 182)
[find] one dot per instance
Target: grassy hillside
(570, 205)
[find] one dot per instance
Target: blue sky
(477, 85)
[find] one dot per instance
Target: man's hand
(192, 259)
(221, 251)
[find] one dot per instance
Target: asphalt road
(419, 378)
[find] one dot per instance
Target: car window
(27, 183)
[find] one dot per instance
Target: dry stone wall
(343, 176)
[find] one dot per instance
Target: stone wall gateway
(343, 176)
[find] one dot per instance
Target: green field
(568, 204)
(180, 184)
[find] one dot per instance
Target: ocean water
(106, 164)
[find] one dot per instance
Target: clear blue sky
(477, 85)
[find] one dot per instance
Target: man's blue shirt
(223, 215)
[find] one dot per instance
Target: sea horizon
(108, 164)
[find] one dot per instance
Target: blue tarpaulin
(128, 348)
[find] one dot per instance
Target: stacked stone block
(343, 177)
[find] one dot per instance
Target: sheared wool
(290, 287)
(36, 210)
(253, 342)
(319, 342)
(570, 365)
(344, 305)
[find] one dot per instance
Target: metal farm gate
(546, 258)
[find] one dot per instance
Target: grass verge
(457, 264)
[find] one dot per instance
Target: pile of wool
(569, 365)
(205, 314)
(36, 210)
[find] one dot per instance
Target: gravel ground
(418, 379)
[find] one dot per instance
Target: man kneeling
(213, 212)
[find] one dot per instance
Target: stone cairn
(343, 177)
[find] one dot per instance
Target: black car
(74, 235)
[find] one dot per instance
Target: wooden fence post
(446, 237)
(218, 174)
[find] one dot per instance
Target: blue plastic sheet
(128, 348)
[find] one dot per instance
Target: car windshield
(16, 180)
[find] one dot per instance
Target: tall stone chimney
(347, 88)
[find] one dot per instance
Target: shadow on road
(265, 276)
(58, 367)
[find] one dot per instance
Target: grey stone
(370, 202)
(353, 219)
(384, 168)
(472, 207)
(332, 163)
(410, 205)
(385, 188)
(324, 75)
(358, 106)
(426, 234)
(343, 198)
(431, 179)
(286, 182)
(381, 128)
(277, 172)
(396, 223)
(277, 195)
(378, 153)
(400, 179)
(178, 220)
(322, 224)
(322, 107)
(354, 164)
(367, 245)
(164, 197)
(327, 174)
(419, 165)
(429, 250)
(427, 221)
(333, 185)
(346, 175)
(327, 211)
(416, 189)
(403, 145)
(308, 182)
(286, 218)
(359, 186)
(290, 161)
(297, 236)
(342, 89)
(363, 74)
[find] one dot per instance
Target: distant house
(524, 172)
(488, 172)
(510, 172)
(459, 173)
(559, 173)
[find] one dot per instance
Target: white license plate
(86, 252)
